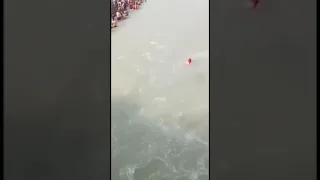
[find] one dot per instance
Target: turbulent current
(160, 105)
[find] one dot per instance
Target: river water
(160, 107)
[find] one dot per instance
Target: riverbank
(120, 9)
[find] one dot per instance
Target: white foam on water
(203, 55)
(153, 42)
(120, 57)
(160, 47)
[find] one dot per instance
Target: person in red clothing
(189, 61)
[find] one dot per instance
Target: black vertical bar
(263, 90)
(56, 90)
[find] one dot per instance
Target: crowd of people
(120, 9)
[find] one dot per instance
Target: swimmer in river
(189, 61)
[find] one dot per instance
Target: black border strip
(263, 90)
(56, 89)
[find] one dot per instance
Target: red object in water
(189, 61)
